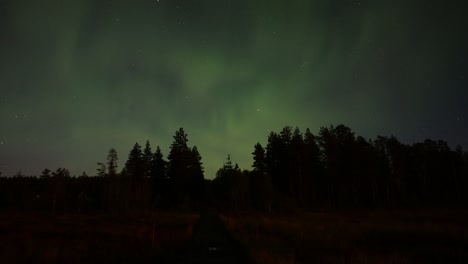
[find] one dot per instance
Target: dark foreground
(427, 236)
(155, 238)
(411, 237)
(93, 238)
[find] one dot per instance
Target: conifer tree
(112, 162)
(147, 157)
(101, 170)
(134, 166)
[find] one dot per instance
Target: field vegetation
(354, 237)
(73, 238)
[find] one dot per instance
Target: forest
(295, 171)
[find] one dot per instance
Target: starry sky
(80, 77)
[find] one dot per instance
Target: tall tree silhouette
(275, 161)
(184, 169)
(259, 164)
(60, 189)
(232, 186)
(336, 145)
(296, 165)
(147, 157)
(135, 164)
(228, 164)
(158, 165)
(113, 192)
(196, 176)
(260, 183)
(112, 162)
(178, 156)
(312, 168)
(136, 188)
(159, 184)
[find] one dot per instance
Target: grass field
(380, 237)
(32, 238)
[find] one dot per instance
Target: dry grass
(379, 237)
(91, 238)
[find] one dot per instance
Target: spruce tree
(147, 157)
(178, 156)
(259, 164)
(158, 165)
(45, 174)
(112, 162)
(134, 165)
(101, 170)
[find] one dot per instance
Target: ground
(43, 238)
(424, 236)
(427, 236)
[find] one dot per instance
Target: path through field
(212, 243)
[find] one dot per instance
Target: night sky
(80, 77)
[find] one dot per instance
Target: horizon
(120, 164)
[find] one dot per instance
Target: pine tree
(158, 178)
(185, 170)
(61, 173)
(197, 164)
(296, 166)
(260, 180)
(277, 155)
(45, 174)
(236, 168)
(178, 166)
(228, 164)
(101, 170)
(158, 165)
(337, 145)
(112, 162)
(134, 165)
(196, 175)
(178, 156)
(259, 165)
(147, 157)
(312, 166)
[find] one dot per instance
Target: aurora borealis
(80, 77)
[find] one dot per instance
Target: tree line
(334, 169)
(146, 182)
(338, 170)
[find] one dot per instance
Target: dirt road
(212, 243)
